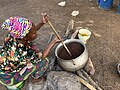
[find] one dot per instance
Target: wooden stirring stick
(50, 24)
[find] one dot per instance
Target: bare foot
(39, 80)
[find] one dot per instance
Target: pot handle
(73, 62)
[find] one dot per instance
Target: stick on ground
(90, 79)
(86, 84)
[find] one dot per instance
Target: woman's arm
(49, 47)
(43, 21)
(39, 25)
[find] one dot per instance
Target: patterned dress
(19, 62)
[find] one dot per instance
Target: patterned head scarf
(19, 27)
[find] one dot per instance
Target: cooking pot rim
(68, 41)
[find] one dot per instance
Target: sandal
(118, 67)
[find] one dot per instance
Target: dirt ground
(104, 51)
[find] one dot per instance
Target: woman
(19, 58)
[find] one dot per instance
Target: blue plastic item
(98, 1)
(118, 9)
(106, 4)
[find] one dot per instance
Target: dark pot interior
(75, 48)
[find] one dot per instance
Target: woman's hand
(43, 21)
(56, 40)
(45, 18)
(49, 47)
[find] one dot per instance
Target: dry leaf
(75, 13)
(62, 3)
(91, 21)
(92, 7)
(79, 28)
(89, 25)
(96, 35)
(80, 22)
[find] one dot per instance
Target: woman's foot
(38, 80)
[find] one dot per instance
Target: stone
(58, 80)
(61, 80)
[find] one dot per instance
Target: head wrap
(19, 27)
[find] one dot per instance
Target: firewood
(70, 27)
(74, 34)
(86, 84)
(91, 80)
(89, 67)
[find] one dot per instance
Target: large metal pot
(72, 64)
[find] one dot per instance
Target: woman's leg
(16, 87)
(41, 68)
